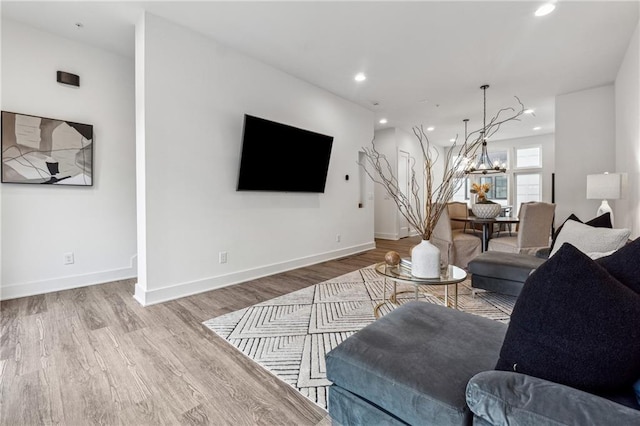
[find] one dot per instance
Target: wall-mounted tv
(278, 157)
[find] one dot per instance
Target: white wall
(585, 144)
(41, 222)
(386, 211)
(195, 94)
(627, 93)
(390, 142)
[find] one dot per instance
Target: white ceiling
(425, 61)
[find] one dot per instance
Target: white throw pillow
(590, 240)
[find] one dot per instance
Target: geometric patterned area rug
(290, 335)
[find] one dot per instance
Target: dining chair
(534, 230)
(458, 209)
(456, 247)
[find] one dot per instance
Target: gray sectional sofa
(425, 364)
(569, 356)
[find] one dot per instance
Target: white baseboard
(386, 236)
(15, 291)
(154, 296)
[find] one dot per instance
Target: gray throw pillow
(595, 242)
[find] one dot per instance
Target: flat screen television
(278, 157)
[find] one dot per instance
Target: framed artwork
(46, 151)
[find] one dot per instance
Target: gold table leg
(455, 296)
(392, 298)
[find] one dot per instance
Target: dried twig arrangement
(422, 209)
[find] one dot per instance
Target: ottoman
(411, 366)
(501, 272)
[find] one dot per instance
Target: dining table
(487, 225)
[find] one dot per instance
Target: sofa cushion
(506, 398)
(590, 240)
(415, 362)
(575, 324)
(508, 266)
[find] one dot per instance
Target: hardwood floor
(93, 355)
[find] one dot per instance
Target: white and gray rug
(291, 334)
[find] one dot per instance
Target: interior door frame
(404, 183)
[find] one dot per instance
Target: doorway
(404, 183)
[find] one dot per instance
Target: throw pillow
(624, 265)
(602, 221)
(554, 237)
(590, 240)
(574, 324)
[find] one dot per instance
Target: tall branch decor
(422, 208)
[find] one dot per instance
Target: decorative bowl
(486, 210)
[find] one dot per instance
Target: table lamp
(604, 187)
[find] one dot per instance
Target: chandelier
(484, 165)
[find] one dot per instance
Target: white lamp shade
(605, 186)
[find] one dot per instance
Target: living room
(178, 95)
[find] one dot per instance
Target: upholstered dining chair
(534, 230)
(458, 209)
(456, 247)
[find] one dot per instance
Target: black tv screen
(278, 157)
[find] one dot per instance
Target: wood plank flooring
(93, 355)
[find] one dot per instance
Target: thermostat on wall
(68, 78)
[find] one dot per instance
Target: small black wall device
(68, 78)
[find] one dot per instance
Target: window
(528, 188)
(501, 188)
(462, 193)
(498, 185)
(528, 157)
(499, 156)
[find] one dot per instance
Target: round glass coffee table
(451, 275)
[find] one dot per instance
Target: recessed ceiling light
(545, 9)
(360, 77)
(430, 129)
(528, 111)
(452, 140)
(383, 121)
(537, 128)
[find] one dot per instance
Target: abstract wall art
(46, 151)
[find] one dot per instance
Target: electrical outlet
(67, 258)
(222, 257)
(337, 238)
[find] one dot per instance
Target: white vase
(425, 260)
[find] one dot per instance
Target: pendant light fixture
(484, 165)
